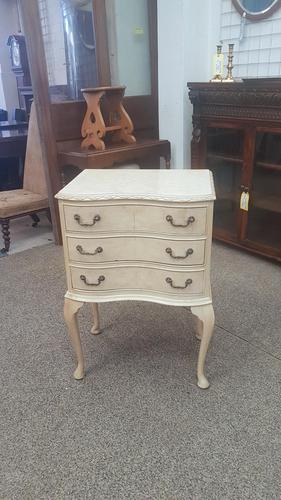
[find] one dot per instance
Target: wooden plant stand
(116, 121)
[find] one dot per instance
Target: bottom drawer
(108, 279)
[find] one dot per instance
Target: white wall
(8, 26)
(259, 53)
(188, 32)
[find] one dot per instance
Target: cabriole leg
(206, 315)
(199, 328)
(71, 307)
(96, 320)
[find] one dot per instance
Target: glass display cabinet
(237, 135)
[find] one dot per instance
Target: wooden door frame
(30, 16)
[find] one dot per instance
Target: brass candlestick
(229, 77)
(218, 65)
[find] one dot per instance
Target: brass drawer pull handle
(100, 279)
(189, 221)
(78, 219)
(83, 252)
(187, 283)
(187, 253)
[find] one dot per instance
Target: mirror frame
(259, 15)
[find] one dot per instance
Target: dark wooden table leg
(35, 219)
(48, 214)
(5, 223)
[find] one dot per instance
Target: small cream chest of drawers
(138, 235)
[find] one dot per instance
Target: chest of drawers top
(186, 186)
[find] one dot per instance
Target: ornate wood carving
(195, 142)
(259, 101)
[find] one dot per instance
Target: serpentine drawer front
(119, 249)
(95, 218)
(138, 235)
(103, 279)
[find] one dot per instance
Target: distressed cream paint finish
(139, 235)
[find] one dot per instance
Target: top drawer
(96, 218)
(181, 222)
(170, 220)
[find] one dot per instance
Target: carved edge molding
(252, 104)
(271, 114)
(141, 197)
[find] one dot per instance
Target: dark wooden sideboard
(237, 135)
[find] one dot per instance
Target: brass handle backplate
(78, 219)
(189, 221)
(80, 249)
(187, 253)
(100, 279)
(187, 283)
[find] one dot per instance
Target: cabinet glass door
(224, 157)
(264, 216)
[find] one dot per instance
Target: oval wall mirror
(257, 9)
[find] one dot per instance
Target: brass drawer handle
(80, 249)
(189, 221)
(100, 279)
(187, 283)
(78, 219)
(187, 253)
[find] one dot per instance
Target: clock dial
(16, 54)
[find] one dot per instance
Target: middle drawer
(118, 249)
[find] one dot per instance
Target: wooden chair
(33, 197)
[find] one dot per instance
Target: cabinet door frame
(250, 159)
(249, 148)
(206, 124)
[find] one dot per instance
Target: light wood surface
(139, 244)
(130, 248)
(137, 277)
(142, 217)
(96, 320)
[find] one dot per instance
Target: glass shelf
(268, 166)
(221, 157)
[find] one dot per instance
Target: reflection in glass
(224, 159)
(256, 6)
(128, 41)
(69, 40)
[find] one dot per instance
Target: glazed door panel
(264, 215)
(224, 157)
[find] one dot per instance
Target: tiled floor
(24, 236)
